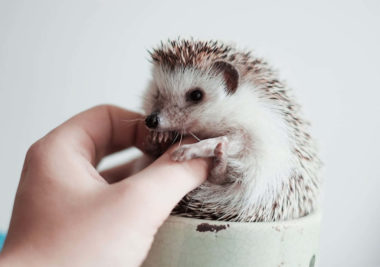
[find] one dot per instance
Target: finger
(100, 131)
(159, 187)
(71, 151)
(120, 172)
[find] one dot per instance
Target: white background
(60, 57)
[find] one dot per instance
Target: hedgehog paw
(183, 153)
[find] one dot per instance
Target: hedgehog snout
(152, 120)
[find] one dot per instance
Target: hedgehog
(265, 163)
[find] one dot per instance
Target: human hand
(67, 214)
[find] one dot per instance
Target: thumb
(159, 187)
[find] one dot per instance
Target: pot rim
(313, 217)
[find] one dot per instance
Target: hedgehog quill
(265, 164)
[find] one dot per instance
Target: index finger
(102, 130)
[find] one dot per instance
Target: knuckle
(39, 153)
(104, 107)
(35, 151)
(35, 158)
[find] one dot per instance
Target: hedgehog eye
(195, 95)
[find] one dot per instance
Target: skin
(66, 213)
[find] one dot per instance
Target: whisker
(175, 138)
(130, 124)
(132, 120)
(196, 137)
(180, 140)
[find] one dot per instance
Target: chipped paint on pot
(185, 242)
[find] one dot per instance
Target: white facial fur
(166, 95)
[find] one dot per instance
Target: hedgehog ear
(230, 75)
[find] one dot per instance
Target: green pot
(184, 242)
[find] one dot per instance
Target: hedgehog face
(181, 99)
(190, 81)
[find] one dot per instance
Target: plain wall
(60, 57)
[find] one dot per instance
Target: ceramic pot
(184, 242)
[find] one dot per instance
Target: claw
(160, 136)
(166, 136)
(154, 137)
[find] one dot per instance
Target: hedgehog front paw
(219, 151)
(218, 172)
(183, 153)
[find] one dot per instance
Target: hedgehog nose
(152, 120)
